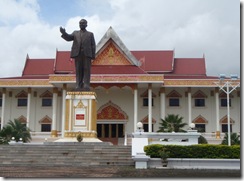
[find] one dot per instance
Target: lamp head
(139, 125)
(192, 125)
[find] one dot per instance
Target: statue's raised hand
(62, 30)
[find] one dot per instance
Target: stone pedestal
(54, 133)
(218, 134)
(81, 116)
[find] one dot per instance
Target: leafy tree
(17, 130)
(234, 139)
(172, 123)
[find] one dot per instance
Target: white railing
(141, 139)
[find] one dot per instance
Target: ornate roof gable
(199, 94)
(111, 111)
(200, 120)
(46, 94)
(22, 94)
(174, 93)
(113, 45)
(111, 56)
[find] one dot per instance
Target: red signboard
(80, 116)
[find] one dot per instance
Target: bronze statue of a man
(83, 51)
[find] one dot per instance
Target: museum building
(130, 86)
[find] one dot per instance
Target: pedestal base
(218, 134)
(54, 133)
(81, 115)
(74, 140)
(87, 134)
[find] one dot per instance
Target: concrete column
(189, 106)
(149, 108)
(3, 107)
(162, 102)
(217, 111)
(28, 108)
(63, 107)
(135, 107)
(54, 119)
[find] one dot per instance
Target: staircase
(80, 154)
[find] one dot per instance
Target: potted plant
(79, 137)
(164, 154)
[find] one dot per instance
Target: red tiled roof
(155, 61)
(62, 62)
(152, 62)
(189, 66)
(38, 67)
(116, 69)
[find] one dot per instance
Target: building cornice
(113, 79)
(110, 79)
(25, 83)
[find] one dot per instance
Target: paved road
(111, 172)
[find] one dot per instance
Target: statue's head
(83, 24)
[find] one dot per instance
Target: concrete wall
(194, 163)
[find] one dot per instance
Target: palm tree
(6, 134)
(17, 130)
(172, 123)
(234, 139)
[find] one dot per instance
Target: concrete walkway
(112, 172)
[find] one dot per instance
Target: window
(225, 128)
(145, 102)
(199, 102)
(145, 127)
(24, 124)
(46, 102)
(1, 100)
(200, 127)
(174, 102)
(46, 128)
(22, 102)
(224, 102)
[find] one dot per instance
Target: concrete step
(54, 155)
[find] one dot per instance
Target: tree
(172, 123)
(234, 139)
(17, 130)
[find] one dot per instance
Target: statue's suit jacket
(85, 42)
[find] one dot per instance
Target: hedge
(195, 151)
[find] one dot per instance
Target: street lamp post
(230, 87)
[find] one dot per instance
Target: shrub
(164, 154)
(194, 151)
(234, 139)
(79, 137)
(202, 140)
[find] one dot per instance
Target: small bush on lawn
(195, 151)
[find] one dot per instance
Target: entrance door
(110, 132)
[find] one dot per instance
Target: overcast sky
(192, 28)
